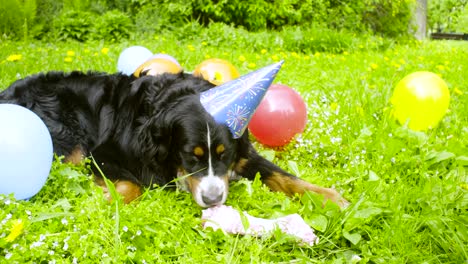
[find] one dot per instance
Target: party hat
(233, 103)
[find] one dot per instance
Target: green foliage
(154, 16)
(17, 18)
(112, 26)
(462, 25)
(445, 14)
(383, 17)
(74, 25)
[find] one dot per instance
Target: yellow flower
(360, 110)
(252, 65)
(457, 91)
(306, 57)
(68, 59)
(334, 106)
(374, 66)
(207, 56)
(105, 51)
(15, 230)
(345, 53)
(275, 57)
(204, 43)
(402, 61)
(440, 67)
(317, 54)
(70, 53)
(14, 57)
(191, 47)
(242, 58)
(263, 51)
(386, 58)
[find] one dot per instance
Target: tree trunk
(420, 19)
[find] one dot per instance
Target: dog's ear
(154, 138)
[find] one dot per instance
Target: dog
(148, 131)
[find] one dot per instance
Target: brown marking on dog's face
(220, 149)
(292, 185)
(198, 151)
(76, 156)
(192, 183)
(240, 165)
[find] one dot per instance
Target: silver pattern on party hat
(233, 103)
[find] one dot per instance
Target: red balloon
(280, 116)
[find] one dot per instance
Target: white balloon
(26, 152)
(132, 57)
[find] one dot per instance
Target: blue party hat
(233, 103)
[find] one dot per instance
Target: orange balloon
(157, 66)
(216, 71)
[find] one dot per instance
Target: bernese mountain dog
(148, 131)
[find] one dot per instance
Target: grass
(408, 189)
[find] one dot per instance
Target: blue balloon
(132, 57)
(26, 152)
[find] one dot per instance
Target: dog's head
(207, 152)
(181, 135)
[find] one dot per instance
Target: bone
(229, 220)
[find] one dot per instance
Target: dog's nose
(212, 199)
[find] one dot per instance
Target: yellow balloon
(420, 99)
(216, 71)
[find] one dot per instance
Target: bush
(17, 18)
(444, 15)
(75, 25)
(112, 26)
(381, 17)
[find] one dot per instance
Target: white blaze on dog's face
(206, 165)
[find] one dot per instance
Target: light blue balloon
(26, 152)
(131, 58)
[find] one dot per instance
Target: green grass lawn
(408, 189)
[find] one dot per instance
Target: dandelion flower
(275, 57)
(14, 57)
(242, 58)
(334, 106)
(68, 59)
(252, 65)
(16, 230)
(70, 53)
(457, 91)
(105, 51)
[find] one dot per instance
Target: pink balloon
(280, 116)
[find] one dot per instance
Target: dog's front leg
(279, 180)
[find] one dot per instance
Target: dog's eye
(198, 152)
(220, 149)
